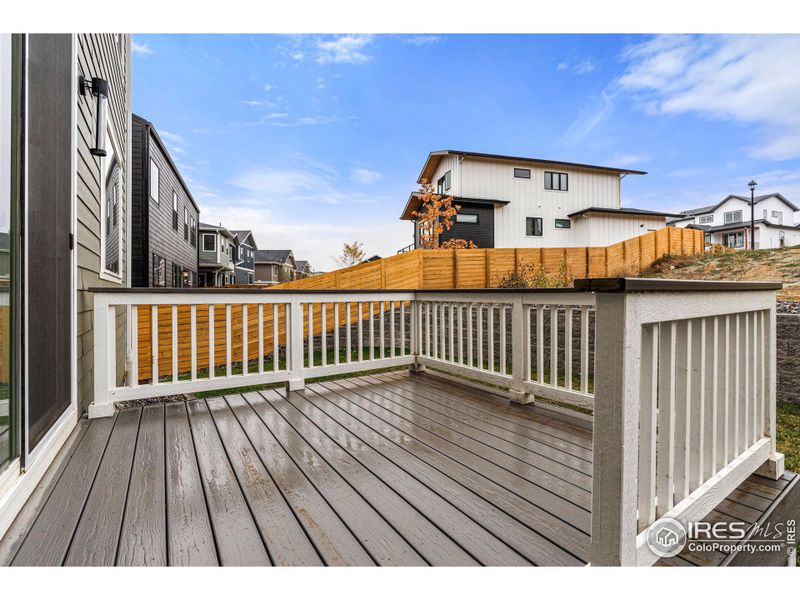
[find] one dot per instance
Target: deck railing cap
(641, 284)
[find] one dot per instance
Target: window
(154, 181)
(533, 226)
(185, 223)
(733, 240)
(465, 218)
(778, 216)
(733, 216)
(706, 219)
(563, 223)
(444, 183)
(209, 242)
(174, 210)
(111, 198)
(249, 278)
(522, 173)
(159, 271)
(555, 181)
(193, 233)
(176, 276)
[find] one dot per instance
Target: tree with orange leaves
(436, 216)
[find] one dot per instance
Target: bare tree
(352, 254)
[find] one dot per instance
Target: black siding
(482, 232)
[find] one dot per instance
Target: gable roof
(223, 230)
(242, 235)
(704, 210)
(273, 256)
(740, 225)
(151, 129)
(301, 265)
(435, 157)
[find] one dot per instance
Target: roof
(413, 203)
(272, 256)
(621, 211)
(704, 210)
(435, 157)
(242, 235)
(372, 258)
(208, 227)
(152, 130)
(301, 264)
(740, 225)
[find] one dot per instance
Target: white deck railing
(682, 385)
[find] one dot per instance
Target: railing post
(104, 357)
(415, 367)
(616, 430)
(520, 352)
(774, 466)
(295, 351)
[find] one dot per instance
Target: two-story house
(517, 202)
(244, 264)
(164, 216)
(728, 221)
(303, 269)
(218, 249)
(274, 266)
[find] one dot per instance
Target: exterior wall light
(99, 89)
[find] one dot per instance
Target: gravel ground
(787, 307)
(159, 400)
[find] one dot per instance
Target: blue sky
(312, 141)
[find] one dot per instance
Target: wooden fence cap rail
(639, 284)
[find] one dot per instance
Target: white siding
(610, 229)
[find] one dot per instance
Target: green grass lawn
(788, 424)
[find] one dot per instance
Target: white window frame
(732, 213)
(706, 219)
(105, 273)
(778, 216)
(203, 245)
(156, 180)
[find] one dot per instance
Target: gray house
(164, 219)
(275, 266)
(218, 247)
(245, 257)
(303, 269)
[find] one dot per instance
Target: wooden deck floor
(391, 469)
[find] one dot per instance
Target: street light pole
(752, 185)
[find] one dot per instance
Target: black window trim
(523, 170)
(477, 220)
(533, 228)
(558, 189)
(563, 226)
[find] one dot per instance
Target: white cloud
(589, 119)
(141, 49)
(298, 56)
(423, 40)
(344, 49)
(746, 79)
(365, 176)
(268, 87)
(562, 66)
(581, 67)
(175, 143)
(260, 103)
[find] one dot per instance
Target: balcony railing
(680, 375)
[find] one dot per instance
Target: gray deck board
(391, 469)
(190, 539)
(143, 540)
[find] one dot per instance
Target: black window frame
(530, 226)
(440, 185)
(175, 210)
(159, 271)
(186, 223)
(562, 224)
(521, 173)
(562, 178)
(193, 232)
(477, 220)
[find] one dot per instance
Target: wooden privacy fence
(418, 269)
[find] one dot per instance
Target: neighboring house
(728, 221)
(303, 269)
(275, 266)
(245, 257)
(65, 176)
(164, 216)
(218, 247)
(516, 202)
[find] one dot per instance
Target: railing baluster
(737, 386)
(540, 343)
(403, 328)
(697, 402)
(755, 344)
(585, 349)
(502, 348)
(711, 397)
(336, 333)
(134, 379)
(568, 347)
(382, 333)
(193, 339)
(261, 336)
(323, 334)
(452, 332)
(554, 346)
(154, 374)
(682, 403)
(391, 328)
(480, 335)
(762, 410)
(470, 357)
(245, 332)
(427, 329)
(460, 334)
(723, 383)
(648, 412)
(442, 331)
(347, 333)
(360, 332)
(310, 349)
(228, 349)
(211, 357)
(526, 324)
(371, 331)
(490, 337)
(665, 447)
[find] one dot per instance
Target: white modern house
(517, 202)
(728, 221)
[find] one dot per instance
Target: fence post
(105, 356)
(295, 351)
(774, 466)
(415, 367)
(616, 429)
(520, 352)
